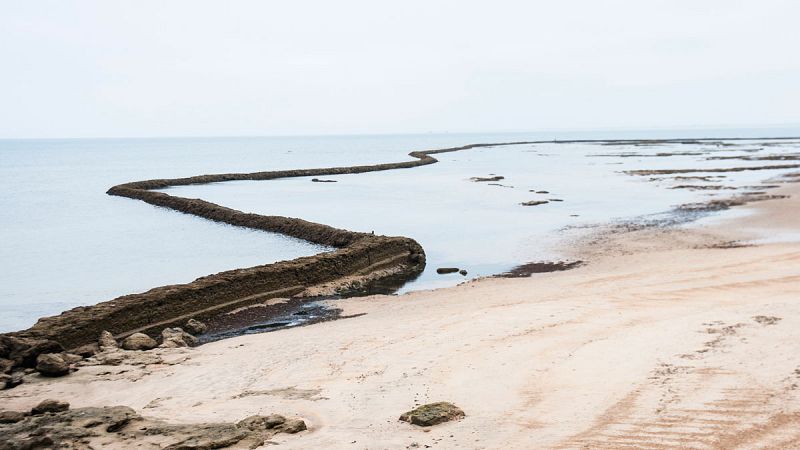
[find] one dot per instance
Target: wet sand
(674, 337)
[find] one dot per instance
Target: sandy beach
(677, 337)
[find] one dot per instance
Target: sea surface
(65, 243)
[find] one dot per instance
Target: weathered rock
(106, 341)
(260, 423)
(274, 420)
(122, 427)
(195, 327)
(11, 381)
(176, 337)
(6, 365)
(293, 426)
(463, 272)
(52, 365)
(24, 351)
(87, 350)
(432, 414)
(139, 341)
(444, 270)
(49, 406)
(11, 416)
(71, 358)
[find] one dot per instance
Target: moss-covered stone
(433, 414)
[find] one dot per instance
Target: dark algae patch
(528, 269)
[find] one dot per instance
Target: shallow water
(65, 243)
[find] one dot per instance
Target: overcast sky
(203, 68)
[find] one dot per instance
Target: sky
(140, 68)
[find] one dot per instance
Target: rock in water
(107, 341)
(176, 337)
(49, 406)
(463, 272)
(139, 341)
(52, 365)
(433, 414)
(444, 270)
(534, 203)
(195, 327)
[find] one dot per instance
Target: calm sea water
(64, 242)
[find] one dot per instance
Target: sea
(65, 243)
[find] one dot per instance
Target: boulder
(432, 414)
(24, 351)
(463, 272)
(106, 342)
(139, 341)
(195, 327)
(176, 337)
(11, 416)
(49, 406)
(52, 365)
(293, 426)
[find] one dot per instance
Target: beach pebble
(139, 341)
(51, 365)
(49, 406)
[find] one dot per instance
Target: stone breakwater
(355, 254)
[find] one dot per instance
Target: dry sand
(661, 341)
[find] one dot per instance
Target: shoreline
(668, 337)
(357, 257)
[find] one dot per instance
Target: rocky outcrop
(433, 414)
(139, 341)
(122, 427)
(23, 352)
